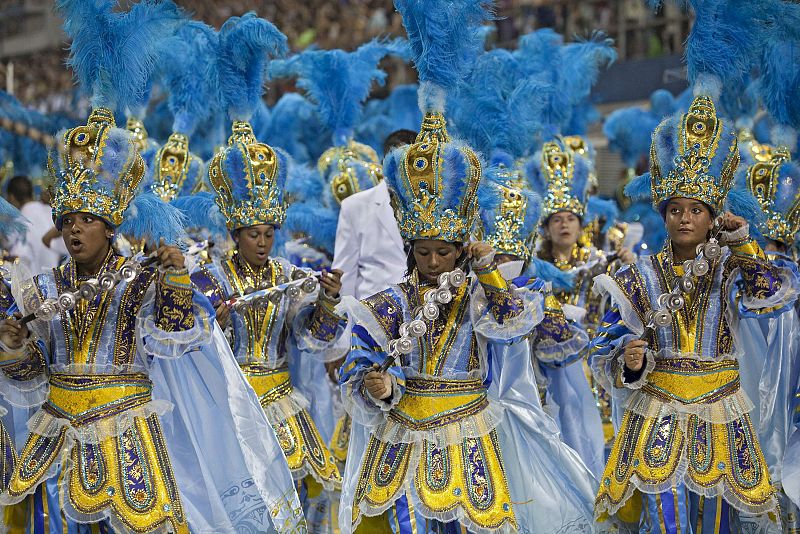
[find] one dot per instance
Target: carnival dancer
(686, 450)
(122, 357)
(771, 343)
(248, 178)
(429, 441)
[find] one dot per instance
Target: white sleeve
(346, 250)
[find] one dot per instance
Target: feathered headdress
(434, 181)
(399, 111)
(190, 76)
(562, 175)
(339, 83)
(695, 154)
(509, 216)
(99, 169)
(498, 107)
(247, 176)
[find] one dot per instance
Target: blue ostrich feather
(200, 210)
(629, 131)
(304, 184)
(14, 224)
(561, 280)
(640, 188)
(444, 38)
(339, 82)
(662, 103)
(497, 106)
(190, 75)
(245, 43)
(151, 219)
(113, 53)
(741, 202)
(597, 208)
(314, 221)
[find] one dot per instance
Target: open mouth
(75, 243)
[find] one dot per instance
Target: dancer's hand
(379, 384)
(634, 354)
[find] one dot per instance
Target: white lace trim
(549, 351)
(723, 411)
(282, 409)
(518, 326)
(47, 425)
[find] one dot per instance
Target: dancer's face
(86, 236)
(688, 222)
(254, 243)
(435, 257)
(564, 229)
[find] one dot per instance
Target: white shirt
(33, 254)
(369, 248)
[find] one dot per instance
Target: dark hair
(398, 138)
(411, 261)
(545, 251)
(21, 187)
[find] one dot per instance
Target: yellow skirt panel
(660, 453)
(469, 476)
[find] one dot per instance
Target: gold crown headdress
(98, 171)
(694, 155)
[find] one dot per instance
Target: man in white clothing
(34, 254)
(369, 249)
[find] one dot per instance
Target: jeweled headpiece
(694, 155)
(350, 168)
(776, 186)
(189, 77)
(434, 182)
(248, 176)
(562, 176)
(509, 217)
(98, 170)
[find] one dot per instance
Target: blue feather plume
(741, 202)
(291, 120)
(444, 38)
(339, 82)
(304, 184)
(597, 208)
(497, 106)
(190, 75)
(780, 86)
(151, 219)
(629, 131)
(561, 280)
(244, 45)
(113, 53)
(14, 224)
(640, 188)
(662, 103)
(314, 221)
(200, 211)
